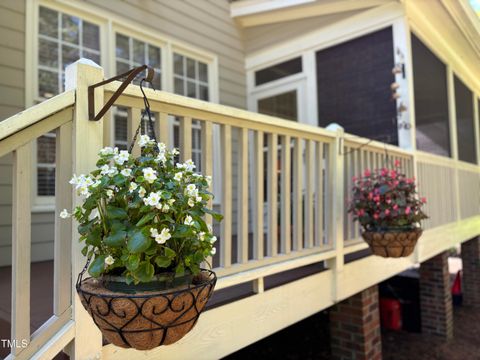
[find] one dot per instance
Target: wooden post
(79, 75)
(335, 171)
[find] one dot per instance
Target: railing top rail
(433, 159)
(36, 113)
(368, 144)
(215, 112)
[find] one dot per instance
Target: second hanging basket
(392, 243)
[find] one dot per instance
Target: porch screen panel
(431, 100)
(465, 125)
(353, 82)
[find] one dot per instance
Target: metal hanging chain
(147, 111)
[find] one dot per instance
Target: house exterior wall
(206, 25)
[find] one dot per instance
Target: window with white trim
(129, 53)
(62, 39)
(190, 78)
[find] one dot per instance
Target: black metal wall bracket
(129, 76)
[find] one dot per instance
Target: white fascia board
(251, 7)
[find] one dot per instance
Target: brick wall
(435, 297)
(355, 327)
(471, 272)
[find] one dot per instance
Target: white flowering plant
(144, 216)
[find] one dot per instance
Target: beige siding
(12, 100)
(264, 36)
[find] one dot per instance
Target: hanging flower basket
(145, 320)
(385, 202)
(392, 242)
(143, 223)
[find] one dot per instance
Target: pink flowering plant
(142, 216)
(386, 199)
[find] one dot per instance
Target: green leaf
(116, 239)
(83, 229)
(180, 270)
(97, 266)
(145, 271)
(182, 231)
(138, 241)
(84, 250)
(145, 219)
(94, 236)
(163, 261)
(218, 217)
(170, 253)
(133, 262)
(116, 212)
(118, 179)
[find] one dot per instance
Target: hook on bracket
(130, 75)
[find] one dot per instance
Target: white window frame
(110, 24)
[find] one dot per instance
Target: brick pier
(435, 297)
(471, 272)
(355, 327)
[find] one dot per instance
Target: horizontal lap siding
(12, 101)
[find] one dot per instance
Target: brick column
(355, 327)
(471, 272)
(435, 297)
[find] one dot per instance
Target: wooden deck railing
(283, 188)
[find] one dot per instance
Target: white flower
(201, 236)
(178, 176)
(209, 180)
(149, 174)
(141, 192)
(209, 227)
(159, 206)
(188, 220)
(164, 236)
(161, 157)
(83, 190)
(106, 151)
(96, 183)
(213, 239)
(171, 201)
(113, 171)
(189, 165)
(165, 208)
(121, 157)
(74, 180)
(191, 203)
(180, 166)
(214, 251)
(65, 214)
(93, 214)
(145, 140)
(175, 151)
(162, 147)
(133, 186)
(104, 169)
(126, 172)
(110, 193)
(153, 199)
(191, 190)
(198, 199)
(109, 260)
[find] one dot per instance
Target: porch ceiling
(260, 12)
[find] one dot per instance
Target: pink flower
(376, 199)
(384, 172)
(367, 173)
(407, 210)
(387, 212)
(397, 163)
(360, 212)
(410, 181)
(354, 179)
(370, 196)
(376, 216)
(395, 207)
(424, 200)
(393, 173)
(388, 200)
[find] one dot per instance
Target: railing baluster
(226, 225)
(309, 194)
(207, 154)
(186, 138)
(258, 233)
(63, 227)
(21, 245)
(357, 158)
(242, 202)
(162, 127)
(272, 182)
(133, 121)
(297, 195)
(285, 243)
(319, 196)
